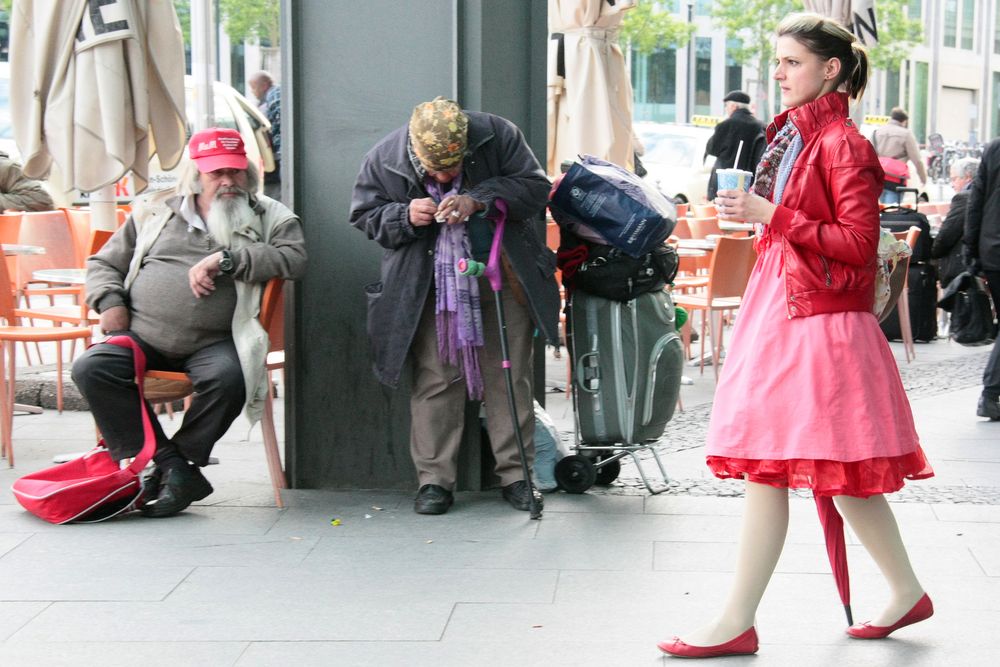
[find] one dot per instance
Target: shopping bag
(93, 487)
(598, 199)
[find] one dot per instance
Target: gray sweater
(164, 312)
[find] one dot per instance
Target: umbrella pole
(102, 209)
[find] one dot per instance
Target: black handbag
(612, 274)
(971, 310)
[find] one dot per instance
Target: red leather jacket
(829, 215)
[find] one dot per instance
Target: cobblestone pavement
(687, 430)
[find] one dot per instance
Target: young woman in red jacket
(811, 396)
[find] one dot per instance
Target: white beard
(227, 214)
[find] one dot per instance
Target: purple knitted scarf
(459, 320)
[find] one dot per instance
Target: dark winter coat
(982, 217)
(741, 126)
(947, 246)
(498, 165)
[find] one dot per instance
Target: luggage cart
(627, 363)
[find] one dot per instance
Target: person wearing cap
(739, 125)
(184, 277)
(415, 192)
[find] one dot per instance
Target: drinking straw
(736, 163)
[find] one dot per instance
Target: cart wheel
(609, 472)
(575, 473)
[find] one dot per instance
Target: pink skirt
(810, 402)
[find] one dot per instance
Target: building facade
(950, 84)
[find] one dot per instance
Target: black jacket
(982, 218)
(498, 165)
(947, 247)
(741, 126)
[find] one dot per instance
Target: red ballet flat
(745, 644)
(921, 611)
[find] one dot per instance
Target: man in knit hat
(416, 190)
(183, 277)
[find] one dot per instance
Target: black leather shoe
(989, 408)
(433, 499)
(151, 485)
(517, 495)
(180, 486)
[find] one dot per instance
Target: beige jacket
(895, 141)
(18, 192)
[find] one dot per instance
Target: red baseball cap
(217, 148)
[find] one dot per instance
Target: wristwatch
(226, 264)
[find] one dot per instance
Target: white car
(231, 110)
(674, 157)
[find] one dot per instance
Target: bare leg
(765, 524)
(872, 521)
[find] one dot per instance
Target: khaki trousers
(437, 402)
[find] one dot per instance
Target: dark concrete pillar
(353, 72)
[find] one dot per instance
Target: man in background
(268, 95)
(895, 140)
(18, 192)
(982, 256)
(740, 125)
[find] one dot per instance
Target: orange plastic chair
(703, 211)
(681, 229)
(168, 386)
(732, 262)
(79, 225)
(11, 334)
(903, 305)
(702, 227)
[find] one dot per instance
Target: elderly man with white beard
(183, 277)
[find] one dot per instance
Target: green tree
(246, 19)
(183, 9)
(753, 22)
(897, 34)
(646, 28)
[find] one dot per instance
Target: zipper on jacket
(826, 268)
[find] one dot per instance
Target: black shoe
(180, 486)
(517, 495)
(151, 485)
(988, 407)
(433, 499)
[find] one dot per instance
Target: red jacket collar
(810, 118)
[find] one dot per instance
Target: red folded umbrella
(836, 549)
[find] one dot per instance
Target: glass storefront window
(995, 121)
(734, 71)
(703, 75)
(891, 89)
(968, 23)
(950, 22)
(654, 84)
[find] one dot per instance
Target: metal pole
(202, 62)
(690, 64)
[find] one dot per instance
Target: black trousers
(105, 375)
(991, 376)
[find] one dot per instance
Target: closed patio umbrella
(589, 91)
(848, 13)
(96, 88)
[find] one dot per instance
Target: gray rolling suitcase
(627, 362)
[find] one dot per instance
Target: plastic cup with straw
(734, 179)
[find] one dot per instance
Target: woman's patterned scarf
(767, 175)
(458, 317)
(768, 168)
